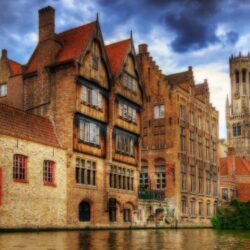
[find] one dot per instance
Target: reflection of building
(179, 142)
(93, 97)
(234, 177)
(237, 112)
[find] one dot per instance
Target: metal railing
(151, 194)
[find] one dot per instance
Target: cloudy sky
(200, 33)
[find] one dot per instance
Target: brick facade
(167, 153)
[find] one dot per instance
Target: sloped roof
(17, 123)
(243, 191)
(179, 78)
(200, 89)
(73, 41)
(15, 68)
(242, 166)
(116, 53)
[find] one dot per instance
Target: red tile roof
(116, 53)
(200, 89)
(179, 78)
(243, 191)
(242, 166)
(15, 68)
(17, 123)
(74, 41)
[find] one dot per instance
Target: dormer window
(91, 97)
(95, 62)
(3, 90)
(130, 83)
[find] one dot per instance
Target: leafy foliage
(234, 216)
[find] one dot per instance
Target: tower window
(237, 76)
(236, 130)
(244, 74)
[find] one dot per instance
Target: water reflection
(125, 240)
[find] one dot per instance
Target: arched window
(184, 205)
(192, 207)
(237, 76)
(84, 211)
(244, 75)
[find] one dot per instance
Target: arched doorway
(84, 211)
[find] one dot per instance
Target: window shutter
(84, 96)
(99, 99)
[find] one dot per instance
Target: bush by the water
(234, 216)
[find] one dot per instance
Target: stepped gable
(116, 53)
(19, 124)
(73, 42)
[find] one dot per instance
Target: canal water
(193, 239)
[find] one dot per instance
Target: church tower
(237, 111)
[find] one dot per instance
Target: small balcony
(151, 194)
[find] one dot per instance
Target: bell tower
(237, 110)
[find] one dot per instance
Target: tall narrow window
(191, 117)
(160, 172)
(84, 211)
(199, 146)
(207, 150)
(192, 179)
(184, 206)
(20, 168)
(95, 62)
(126, 215)
(191, 143)
(237, 76)
(144, 177)
(200, 181)
(208, 183)
(182, 112)
(112, 209)
(208, 209)
(200, 208)
(192, 208)
(182, 139)
(244, 75)
(183, 177)
(48, 172)
(215, 185)
(199, 125)
(3, 90)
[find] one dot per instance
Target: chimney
(143, 48)
(46, 23)
(190, 68)
(4, 54)
(230, 151)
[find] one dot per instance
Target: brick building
(33, 174)
(234, 177)
(179, 142)
(93, 96)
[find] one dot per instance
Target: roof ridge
(177, 73)
(14, 61)
(113, 43)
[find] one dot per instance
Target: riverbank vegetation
(236, 215)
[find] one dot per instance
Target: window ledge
(90, 144)
(127, 120)
(21, 181)
(85, 186)
(117, 190)
(50, 184)
(122, 153)
(92, 106)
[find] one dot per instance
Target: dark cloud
(232, 37)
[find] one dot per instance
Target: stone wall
(32, 204)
